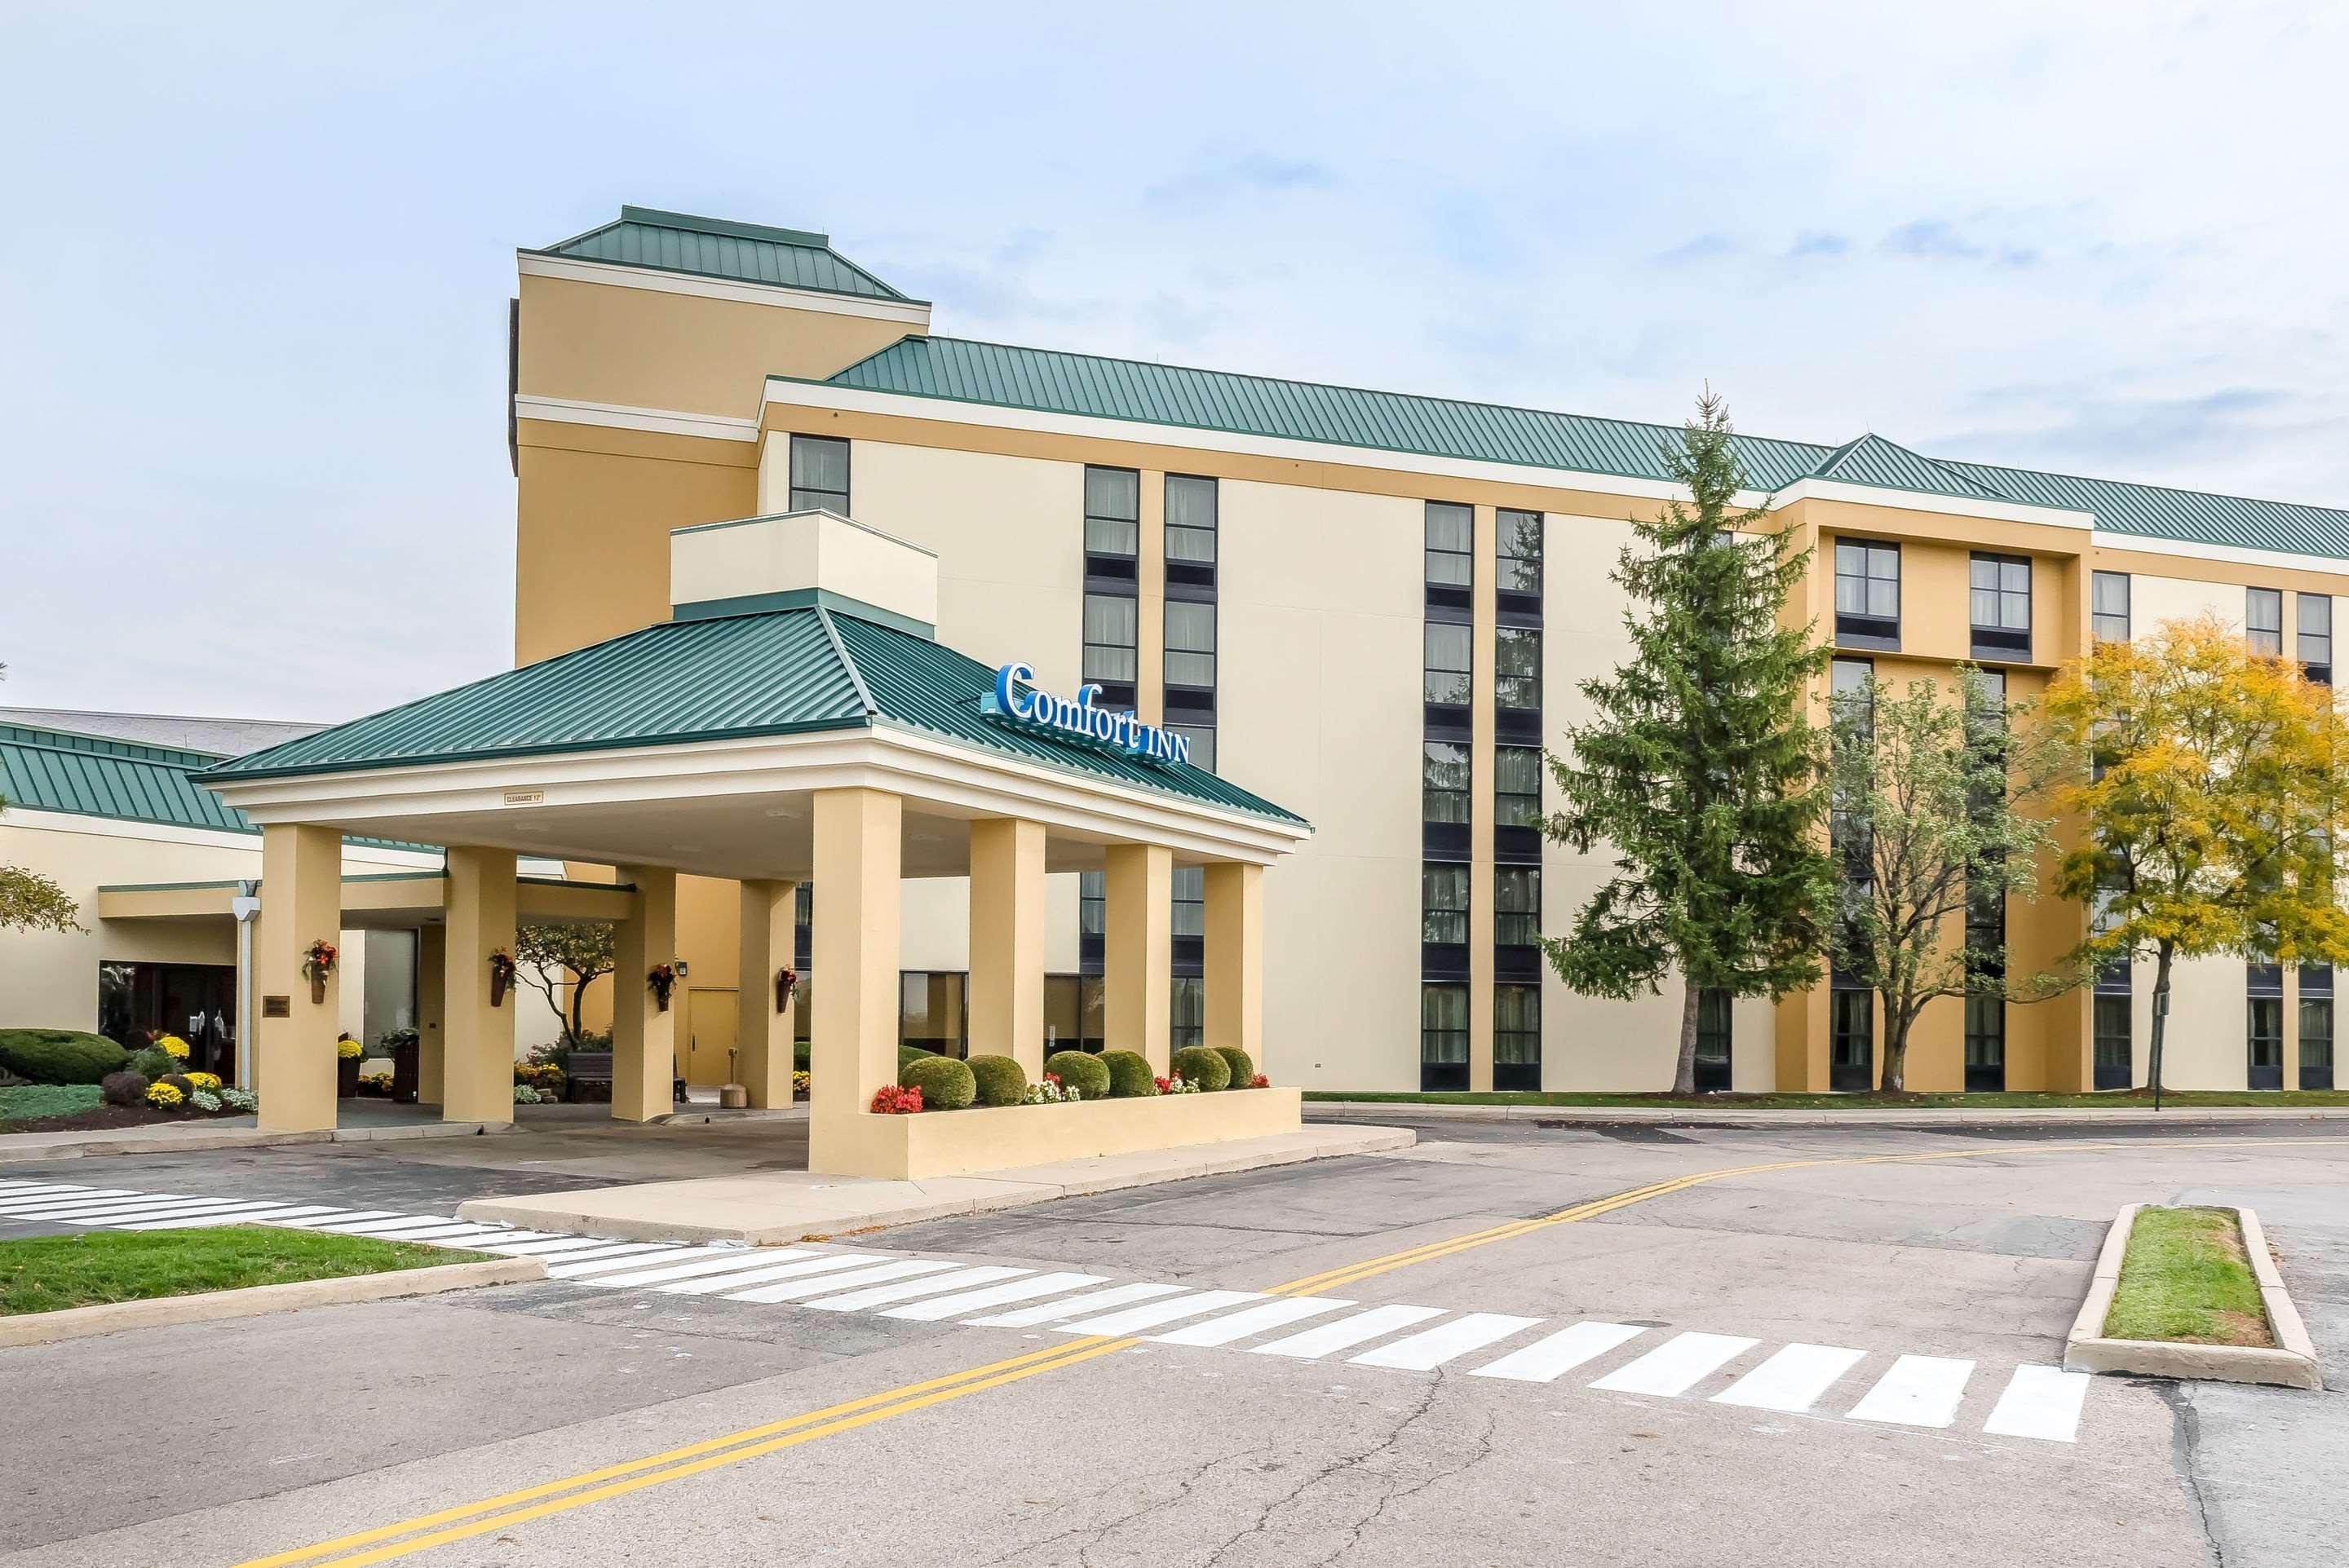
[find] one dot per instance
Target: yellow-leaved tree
(2217, 797)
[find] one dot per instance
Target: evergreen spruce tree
(1699, 770)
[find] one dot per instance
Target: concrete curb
(212, 1306)
(2290, 1364)
(1888, 1117)
(27, 1147)
(835, 1206)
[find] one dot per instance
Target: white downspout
(246, 907)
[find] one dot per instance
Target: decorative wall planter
(787, 980)
(346, 1078)
(995, 1138)
(661, 979)
(318, 962)
(502, 974)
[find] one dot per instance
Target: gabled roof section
(1872, 461)
(775, 671)
(717, 248)
(1051, 381)
(93, 776)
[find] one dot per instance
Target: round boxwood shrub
(1001, 1080)
(125, 1087)
(946, 1084)
(908, 1055)
(1130, 1077)
(1080, 1070)
(1198, 1065)
(1242, 1066)
(60, 1056)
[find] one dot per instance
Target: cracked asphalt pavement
(220, 1443)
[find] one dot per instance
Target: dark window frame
(1506, 814)
(1517, 927)
(1111, 518)
(1444, 1067)
(1431, 791)
(2314, 648)
(1516, 1035)
(1867, 627)
(1168, 651)
(1999, 637)
(810, 498)
(2110, 625)
(1213, 528)
(2268, 639)
(1449, 874)
(1464, 685)
(1519, 692)
(1131, 649)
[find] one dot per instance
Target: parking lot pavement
(1845, 1353)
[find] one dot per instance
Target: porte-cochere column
(644, 1034)
(1138, 952)
(1007, 942)
(853, 1034)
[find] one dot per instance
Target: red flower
(892, 1100)
(1259, 1081)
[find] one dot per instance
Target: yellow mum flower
(174, 1047)
(162, 1096)
(203, 1080)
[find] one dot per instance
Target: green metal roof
(775, 671)
(715, 248)
(1048, 380)
(91, 776)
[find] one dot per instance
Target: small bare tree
(553, 957)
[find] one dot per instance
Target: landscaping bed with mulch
(81, 1108)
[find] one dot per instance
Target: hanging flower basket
(661, 979)
(318, 962)
(502, 974)
(787, 980)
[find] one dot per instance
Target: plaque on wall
(277, 1006)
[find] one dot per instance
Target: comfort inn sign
(1016, 701)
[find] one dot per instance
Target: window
(1520, 552)
(2112, 1028)
(1202, 737)
(930, 1011)
(1852, 692)
(1851, 1039)
(1072, 1013)
(1985, 1044)
(1450, 544)
(1516, 906)
(1110, 622)
(1443, 1037)
(1516, 667)
(1713, 1039)
(1516, 1037)
(2263, 619)
(2315, 635)
(1190, 901)
(1852, 705)
(1444, 781)
(819, 473)
(2266, 1031)
(1516, 786)
(1186, 1012)
(2315, 1025)
(1092, 902)
(1868, 594)
(2001, 602)
(1448, 664)
(1444, 904)
(1190, 519)
(1113, 512)
(2109, 607)
(1190, 642)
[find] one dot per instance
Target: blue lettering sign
(1016, 700)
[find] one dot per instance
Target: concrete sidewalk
(224, 1133)
(771, 1206)
(1337, 1112)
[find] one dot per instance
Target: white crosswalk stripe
(732, 1260)
(1059, 1310)
(1134, 1319)
(338, 1217)
(1676, 1366)
(542, 1245)
(888, 1294)
(1920, 1391)
(1793, 1379)
(1346, 1332)
(1548, 1358)
(79, 1202)
(1233, 1325)
(562, 1267)
(716, 1285)
(220, 1210)
(1427, 1350)
(801, 1289)
(993, 1296)
(274, 1214)
(19, 1190)
(2041, 1402)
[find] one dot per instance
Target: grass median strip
(51, 1273)
(2186, 1279)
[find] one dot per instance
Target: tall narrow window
(2317, 1025)
(820, 474)
(1516, 786)
(1851, 1038)
(1190, 644)
(1444, 781)
(1110, 622)
(1444, 904)
(1516, 1037)
(1187, 1013)
(1519, 563)
(1449, 664)
(2265, 1069)
(2314, 614)
(1190, 901)
(2001, 604)
(1443, 1036)
(2112, 1042)
(1516, 667)
(1516, 906)
(1190, 519)
(1113, 512)
(1451, 545)
(2110, 603)
(1868, 594)
(2263, 619)
(1092, 903)
(1713, 1040)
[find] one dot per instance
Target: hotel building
(1373, 607)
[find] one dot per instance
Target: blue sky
(258, 256)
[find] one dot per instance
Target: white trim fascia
(196, 838)
(905, 762)
(912, 314)
(2235, 554)
(950, 410)
(622, 416)
(1813, 489)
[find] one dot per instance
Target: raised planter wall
(958, 1143)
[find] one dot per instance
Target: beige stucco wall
(2153, 600)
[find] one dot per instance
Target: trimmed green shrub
(125, 1087)
(1198, 1065)
(152, 1063)
(1242, 1066)
(908, 1055)
(1130, 1077)
(1080, 1070)
(800, 1057)
(33, 1103)
(60, 1056)
(945, 1083)
(1001, 1080)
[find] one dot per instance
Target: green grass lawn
(46, 1274)
(32, 1101)
(2185, 1277)
(2114, 1099)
